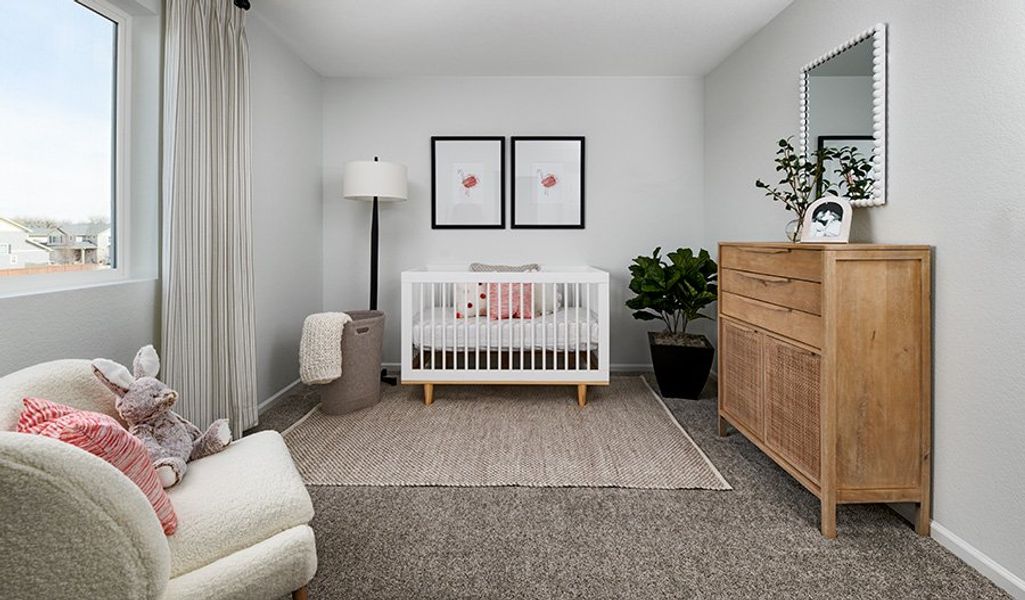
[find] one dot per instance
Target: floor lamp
(378, 181)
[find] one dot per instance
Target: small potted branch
(675, 291)
(802, 182)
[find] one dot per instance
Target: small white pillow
(469, 299)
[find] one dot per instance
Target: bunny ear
(114, 376)
(147, 363)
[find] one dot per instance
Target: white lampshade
(365, 179)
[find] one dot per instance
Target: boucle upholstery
(69, 382)
(269, 569)
(246, 493)
(73, 526)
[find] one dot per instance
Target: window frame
(121, 178)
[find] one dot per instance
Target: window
(61, 124)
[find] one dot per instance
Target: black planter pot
(681, 371)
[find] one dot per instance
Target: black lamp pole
(374, 235)
(374, 238)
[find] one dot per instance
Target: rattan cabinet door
(792, 398)
(740, 362)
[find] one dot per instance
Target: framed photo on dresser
(467, 182)
(548, 182)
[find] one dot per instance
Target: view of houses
(29, 245)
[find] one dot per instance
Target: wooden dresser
(825, 364)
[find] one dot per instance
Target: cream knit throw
(320, 351)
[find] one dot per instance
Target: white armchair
(73, 526)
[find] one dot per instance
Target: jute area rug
(534, 436)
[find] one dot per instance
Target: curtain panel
(209, 351)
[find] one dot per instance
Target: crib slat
(498, 326)
(566, 307)
(587, 309)
(434, 331)
(533, 330)
(509, 351)
(523, 331)
(477, 329)
(544, 326)
(423, 340)
(576, 325)
(487, 290)
(466, 333)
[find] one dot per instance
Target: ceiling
(373, 38)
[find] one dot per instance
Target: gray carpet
(758, 541)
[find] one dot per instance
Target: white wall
(112, 320)
(956, 127)
(644, 188)
(287, 253)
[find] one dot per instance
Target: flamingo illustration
(548, 180)
(468, 181)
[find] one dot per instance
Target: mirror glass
(839, 97)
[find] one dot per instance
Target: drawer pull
(775, 308)
(766, 250)
(765, 278)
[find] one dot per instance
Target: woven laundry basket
(360, 383)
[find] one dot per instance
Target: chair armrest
(74, 526)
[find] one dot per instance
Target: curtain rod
(243, 4)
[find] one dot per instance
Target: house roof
(15, 224)
(85, 228)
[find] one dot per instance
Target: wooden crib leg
(582, 394)
(428, 393)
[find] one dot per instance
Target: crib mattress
(570, 328)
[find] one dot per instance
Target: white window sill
(65, 282)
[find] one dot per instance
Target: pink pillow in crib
(500, 306)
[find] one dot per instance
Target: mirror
(843, 117)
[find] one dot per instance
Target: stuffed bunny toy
(145, 405)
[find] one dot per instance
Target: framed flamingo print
(467, 182)
(548, 182)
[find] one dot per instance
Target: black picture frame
(578, 138)
(434, 180)
(820, 145)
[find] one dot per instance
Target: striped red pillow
(104, 437)
(506, 299)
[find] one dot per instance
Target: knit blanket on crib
(320, 350)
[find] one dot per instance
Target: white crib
(561, 338)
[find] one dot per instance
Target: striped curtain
(209, 351)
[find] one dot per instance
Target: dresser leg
(829, 518)
(428, 393)
(724, 427)
(923, 519)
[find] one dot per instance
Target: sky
(56, 102)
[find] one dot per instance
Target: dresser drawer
(784, 291)
(770, 260)
(794, 324)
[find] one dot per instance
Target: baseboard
(282, 393)
(973, 557)
(614, 367)
(632, 367)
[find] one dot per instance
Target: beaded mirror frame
(879, 58)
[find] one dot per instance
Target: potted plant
(803, 179)
(674, 290)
